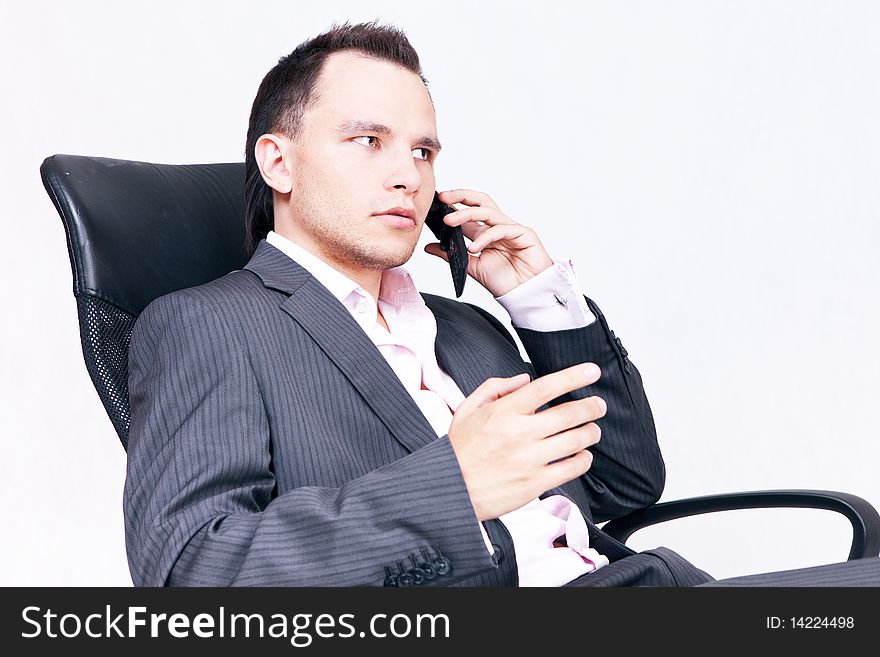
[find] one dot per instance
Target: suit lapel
(466, 351)
(466, 368)
(340, 337)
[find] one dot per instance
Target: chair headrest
(137, 230)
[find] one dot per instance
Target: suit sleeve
(628, 472)
(200, 501)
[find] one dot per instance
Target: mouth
(398, 217)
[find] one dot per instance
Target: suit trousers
(658, 567)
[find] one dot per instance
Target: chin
(400, 258)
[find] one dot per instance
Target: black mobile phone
(451, 240)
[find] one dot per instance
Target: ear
(271, 152)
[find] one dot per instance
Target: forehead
(352, 86)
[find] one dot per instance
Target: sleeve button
(442, 565)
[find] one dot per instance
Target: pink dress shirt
(549, 301)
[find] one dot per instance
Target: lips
(409, 213)
(398, 217)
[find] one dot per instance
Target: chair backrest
(136, 231)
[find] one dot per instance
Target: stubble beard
(339, 237)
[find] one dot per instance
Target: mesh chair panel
(105, 333)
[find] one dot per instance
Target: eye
(427, 153)
(365, 137)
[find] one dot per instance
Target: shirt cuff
(550, 301)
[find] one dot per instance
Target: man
(313, 420)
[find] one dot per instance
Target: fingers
(472, 230)
(556, 474)
(567, 443)
(484, 236)
(489, 215)
(490, 390)
(550, 386)
(510, 232)
(568, 415)
(467, 197)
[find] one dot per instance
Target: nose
(405, 173)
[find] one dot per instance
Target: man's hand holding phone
(508, 453)
(510, 253)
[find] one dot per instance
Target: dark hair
(288, 90)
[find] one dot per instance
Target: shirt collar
(396, 288)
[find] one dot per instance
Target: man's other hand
(508, 453)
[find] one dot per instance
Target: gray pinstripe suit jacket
(272, 444)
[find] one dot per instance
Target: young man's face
(347, 168)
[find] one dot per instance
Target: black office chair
(136, 231)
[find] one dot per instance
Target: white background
(711, 167)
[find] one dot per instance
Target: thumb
(491, 390)
(434, 249)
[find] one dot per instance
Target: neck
(369, 279)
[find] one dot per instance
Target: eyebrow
(348, 127)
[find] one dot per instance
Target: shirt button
(362, 307)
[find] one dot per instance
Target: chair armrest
(864, 517)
